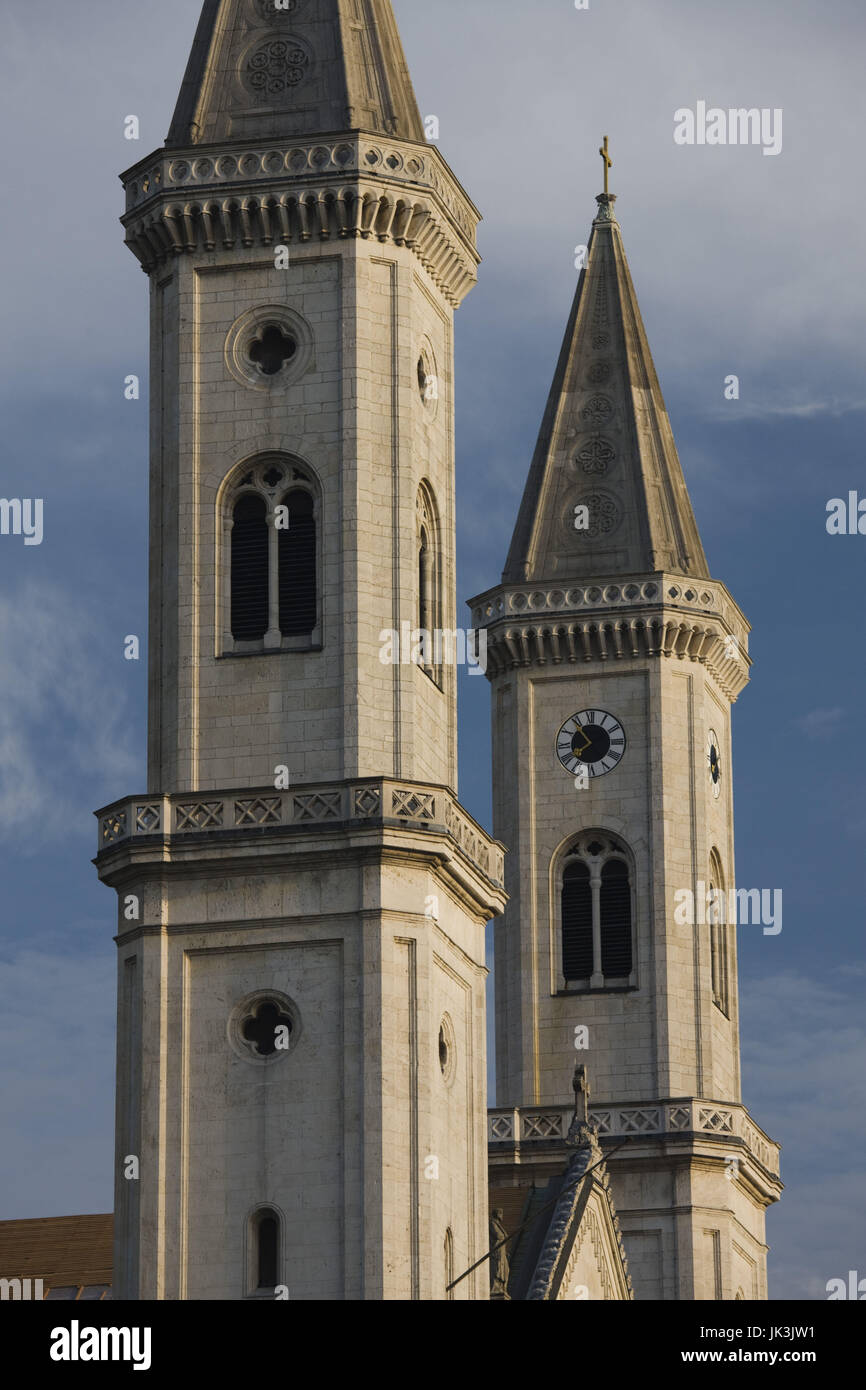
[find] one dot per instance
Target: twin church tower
(302, 900)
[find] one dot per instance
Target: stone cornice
(662, 615)
(202, 200)
(531, 1133)
(260, 822)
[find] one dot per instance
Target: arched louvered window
(596, 925)
(615, 912)
(429, 575)
(269, 580)
(249, 569)
(576, 922)
(267, 1249)
(297, 566)
(424, 584)
(719, 946)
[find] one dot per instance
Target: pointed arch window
(449, 1264)
(596, 916)
(428, 594)
(425, 580)
(270, 575)
(719, 943)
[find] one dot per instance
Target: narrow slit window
(268, 1242)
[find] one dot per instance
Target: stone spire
(605, 495)
(313, 66)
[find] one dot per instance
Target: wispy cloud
(62, 726)
(738, 411)
(820, 723)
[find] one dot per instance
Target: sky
(745, 264)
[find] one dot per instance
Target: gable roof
(65, 1252)
(584, 1212)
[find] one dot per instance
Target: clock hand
(584, 745)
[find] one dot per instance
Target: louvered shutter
(249, 570)
(297, 551)
(576, 923)
(615, 920)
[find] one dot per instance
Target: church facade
(302, 900)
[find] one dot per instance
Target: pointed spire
(286, 69)
(605, 495)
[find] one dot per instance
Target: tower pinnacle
(605, 496)
(263, 72)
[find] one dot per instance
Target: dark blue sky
(743, 264)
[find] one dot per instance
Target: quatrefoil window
(268, 1029)
(269, 348)
(272, 349)
(264, 1027)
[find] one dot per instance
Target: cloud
(786, 410)
(820, 723)
(63, 731)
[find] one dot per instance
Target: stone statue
(499, 1259)
(580, 1086)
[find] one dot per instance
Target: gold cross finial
(608, 162)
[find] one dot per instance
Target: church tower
(614, 659)
(301, 898)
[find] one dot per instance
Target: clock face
(593, 739)
(714, 762)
